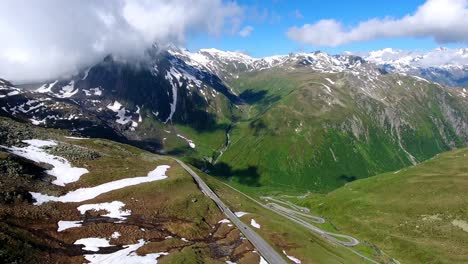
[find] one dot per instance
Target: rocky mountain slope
(307, 121)
(110, 218)
(66, 199)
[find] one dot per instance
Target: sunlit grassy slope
(416, 215)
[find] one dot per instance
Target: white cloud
(49, 38)
(443, 20)
(246, 31)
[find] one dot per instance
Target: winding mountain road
(298, 217)
(270, 254)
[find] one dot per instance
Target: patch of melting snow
(115, 235)
(240, 214)
(115, 106)
(419, 78)
(263, 261)
(173, 77)
(68, 90)
(293, 259)
(461, 224)
(79, 138)
(184, 239)
(62, 169)
(84, 194)
(122, 119)
(127, 255)
(97, 91)
(114, 209)
(86, 74)
(328, 88)
(254, 223)
(93, 243)
(330, 81)
(46, 88)
(189, 141)
(64, 225)
(224, 221)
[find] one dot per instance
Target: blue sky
(271, 19)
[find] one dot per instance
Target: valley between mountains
(325, 158)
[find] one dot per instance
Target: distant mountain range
(311, 121)
(442, 65)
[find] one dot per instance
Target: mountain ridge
(212, 107)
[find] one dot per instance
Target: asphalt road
(298, 217)
(268, 253)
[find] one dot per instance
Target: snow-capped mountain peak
(448, 66)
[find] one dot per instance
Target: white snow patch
(93, 91)
(63, 225)
(97, 91)
(127, 255)
(122, 119)
(293, 259)
(114, 209)
(68, 90)
(263, 261)
(173, 77)
(328, 88)
(93, 243)
(224, 221)
(115, 107)
(62, 169)
(254, 223)
(46, 88)
(184, 239)
(461, 224)
(419, 78)
(330, 81)
(115, 235)
(84, 194)
(240, 214)
(86, 74)
(189, 141)
(78, 138)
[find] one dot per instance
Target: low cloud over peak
(48, 38)
(443, 20)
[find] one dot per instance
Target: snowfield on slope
(114, 209)
(84, 194)
(93, 243)
(127, 255)
(254, 223)
(293, 259)
(62, 169)
(240, 213)
(64, 225)
(189, 141)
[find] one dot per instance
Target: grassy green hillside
(416, 215)
(283, 234)
(299, 131)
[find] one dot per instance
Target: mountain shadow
(247, 176)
